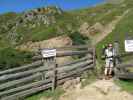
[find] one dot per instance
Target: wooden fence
(124, 71)
(18, 83)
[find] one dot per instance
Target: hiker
(109, 59)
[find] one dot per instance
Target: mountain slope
(122, 31)
(45, 23)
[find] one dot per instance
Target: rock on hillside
(30, 19)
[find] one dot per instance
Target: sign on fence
(129, 45)
(46, 53)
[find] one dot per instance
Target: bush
(78, 39)
(10, 58)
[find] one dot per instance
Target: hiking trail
(98, 90)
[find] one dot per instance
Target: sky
(22, 5)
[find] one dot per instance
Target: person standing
(109, 60)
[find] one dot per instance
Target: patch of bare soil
(60, 41)
(99, 90)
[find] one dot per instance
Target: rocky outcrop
(30, 19)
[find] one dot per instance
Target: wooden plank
(25, 73)
(32, 65)
(28, 92)
(124, 65)
(69, 68)
(25, 93)
(76, 71)
(94, 56)
(33, 90)
(36, 84)
(22, 74)
(75, 61)
(25, 87)
(20, 81)
(54, 78)
(125, 76)
(72, 47)
(66, 53)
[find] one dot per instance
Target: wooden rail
(18, 83)
(122, 71)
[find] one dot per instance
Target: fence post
(54, 76)
(94, 56)
(94, 61)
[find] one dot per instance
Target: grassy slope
(47, 94)
(72, 19)
(68, 22)
(102, 16)
(123, 30)
(104, 13)
(126, 85)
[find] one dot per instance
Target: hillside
(41, 24)
(122, 31)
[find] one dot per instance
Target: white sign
(46, 53)
(129, 45)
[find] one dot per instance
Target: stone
(70, 84)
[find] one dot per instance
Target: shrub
(10, 58)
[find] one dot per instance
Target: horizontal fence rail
(122, 71)
(18, 83)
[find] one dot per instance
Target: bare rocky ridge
(30, 19)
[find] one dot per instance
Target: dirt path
(108, 29)
(99, 90)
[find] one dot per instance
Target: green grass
(69, 22)
(123, 30)
(47, 94)
(125, 85)
(90, 76)
(10, 57)
(78, 39)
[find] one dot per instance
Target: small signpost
(129, 45)
(47, 53)
(49, 56)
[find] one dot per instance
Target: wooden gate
(44, 73)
